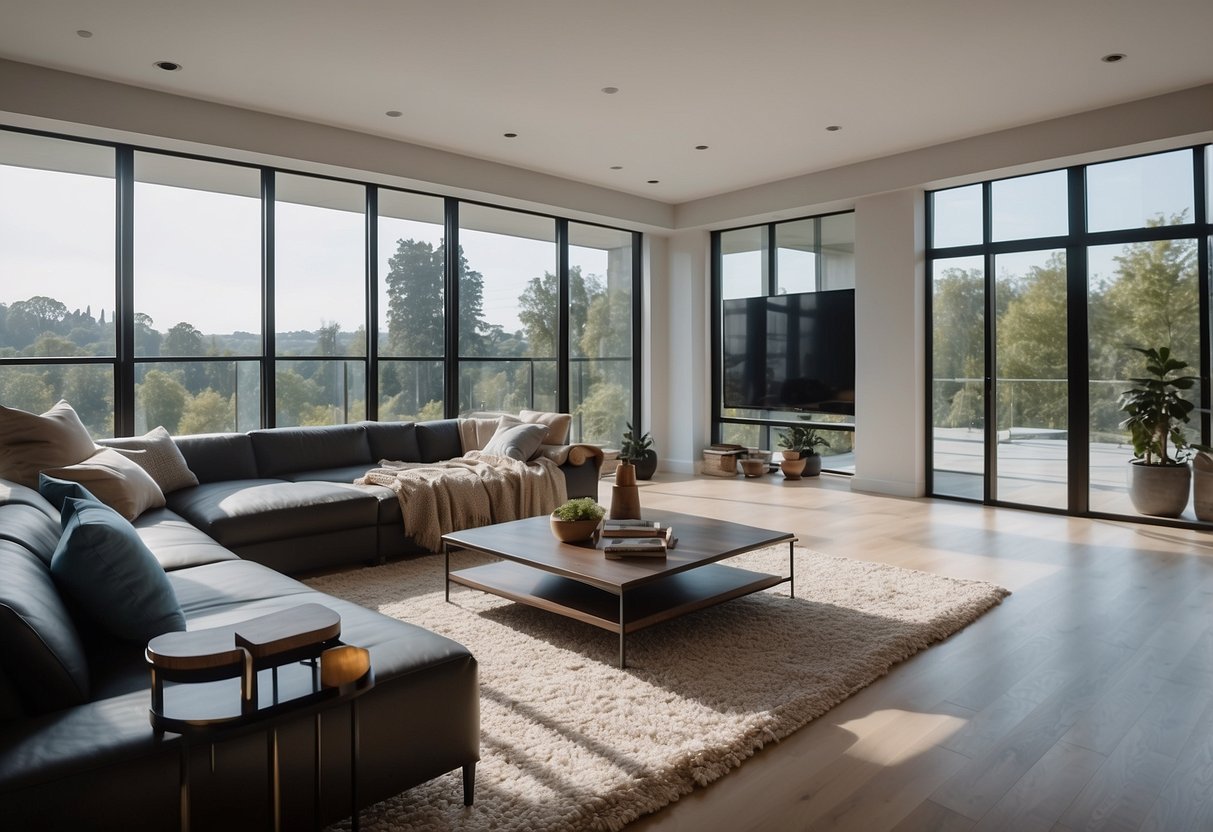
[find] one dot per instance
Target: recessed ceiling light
(393, 114)
(834, 128)
(610, 90)
(168, 66)
(654, 181)
(1113, 58)
(616, 167)
(510, 135)
(701, 147)
(84, 33)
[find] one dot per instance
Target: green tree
(208, 412)
(90, 389)
(958, 347)
(184, 339)
(539, 307)
(604, 413)
(163, 398)
(296, 396)
(25, 390)
(1030, 346)
(416, 293)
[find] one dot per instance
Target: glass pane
(796, 257)
(320, 272)
(837, 255)
(88, 387)
(507, 284)
(57, 221)
(749, 436)
(197, 257)
(1142, 295)
(1146, 191)
(600, 333)
(956, 217)
(320, 392)
(198, 397)
(957, 376)
(411, 275)
(744, 262)
(507, 385)
(1030, 206)
(410, 391)
(1032, 369)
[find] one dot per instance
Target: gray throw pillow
(520, 442)
(157, 453)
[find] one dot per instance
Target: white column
(890, 344)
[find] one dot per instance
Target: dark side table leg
(183, 775)
(354, 765)
(622, 644)
(792, 568)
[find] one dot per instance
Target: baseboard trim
(893, 488)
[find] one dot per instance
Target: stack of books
(637, 538)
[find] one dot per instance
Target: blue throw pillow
(56, 490)
(103, 566)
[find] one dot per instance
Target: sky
(197, 255)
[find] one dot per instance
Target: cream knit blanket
(476, 489)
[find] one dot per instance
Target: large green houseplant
(1159, 479)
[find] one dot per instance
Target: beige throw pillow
(558, 424)
(30, 443)
(157, 453)
(114, 480)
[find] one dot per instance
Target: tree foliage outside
(315, 385)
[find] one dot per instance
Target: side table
(308, 669)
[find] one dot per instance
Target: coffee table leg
(791, 569)
(446, 570)
(622, 644)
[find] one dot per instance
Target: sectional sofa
(76, 746)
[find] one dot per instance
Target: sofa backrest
(215, 457)
(288, 450)
(438, 440)
(395, 441)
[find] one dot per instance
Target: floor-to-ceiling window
(784, 333)
(152, 288)
(1041, 288)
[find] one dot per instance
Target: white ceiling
(756, 81)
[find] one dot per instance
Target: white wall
(890, 344)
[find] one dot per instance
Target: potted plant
(800, 457)
(1159, 480)
(576, 520)
(638, 450)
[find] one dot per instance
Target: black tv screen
(791, 352)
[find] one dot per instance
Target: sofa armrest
(578, 454)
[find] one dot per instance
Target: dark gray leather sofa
(284, 496)
(97, 764)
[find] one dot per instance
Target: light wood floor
(1084, 701)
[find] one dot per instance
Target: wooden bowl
(573, 531)
(753, 467)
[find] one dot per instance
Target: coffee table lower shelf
(627, 612)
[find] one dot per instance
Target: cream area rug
(571, 742)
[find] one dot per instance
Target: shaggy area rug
(571, 742)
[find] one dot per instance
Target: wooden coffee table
(576, 580)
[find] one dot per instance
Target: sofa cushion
(40, 647)
(285, 450)
(156, 453)
(343, 475)
(176, 542)
(520, 442)
(30, 443)
(28, 520)
(438, 440)
(112, 576)
(558, 424)
(214, 457)
(395, 441)
(114, 480)
(242, 512)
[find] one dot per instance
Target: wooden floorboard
(1081, 703)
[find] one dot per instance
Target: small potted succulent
(577, 520)
(800, 457)
(638, 450)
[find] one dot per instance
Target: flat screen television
(791, 352)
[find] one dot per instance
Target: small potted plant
(800, 457)
(638, 450)
(1158, 480)
(576, 520)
